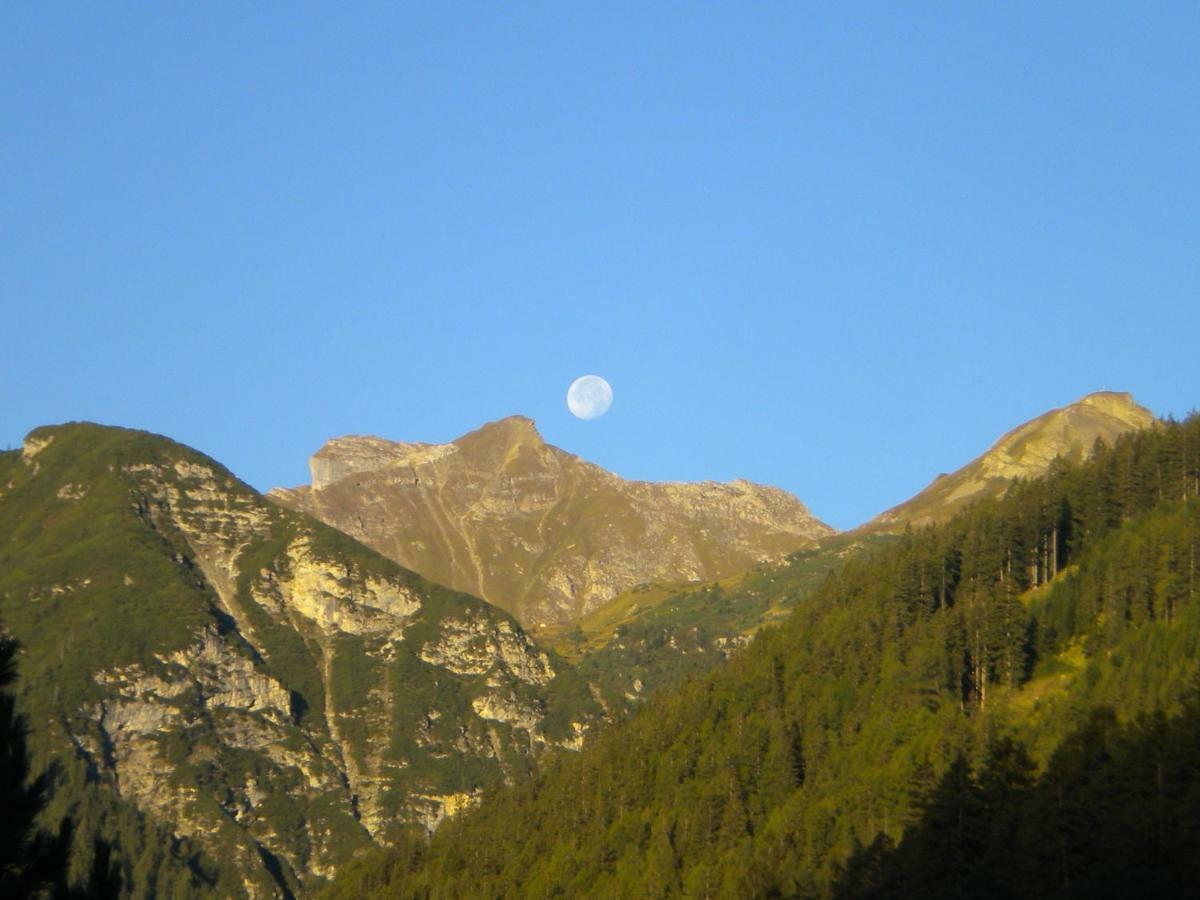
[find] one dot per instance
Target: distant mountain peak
(511, 424)
(536, 530)
(357, 454)
(1069, 431)
(361, 454)
(502, 434)
(1026, 451)
(1117, 404)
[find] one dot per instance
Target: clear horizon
(839, 528)
(834, 250)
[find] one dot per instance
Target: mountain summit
(1025, 452)
(538, 531)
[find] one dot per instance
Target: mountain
(1025, 452)
(242, 698)
(535, 530)
(247, 695)
(1004, 705)
(653, 635)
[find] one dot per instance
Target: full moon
(589, 397)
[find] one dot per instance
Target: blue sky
(838, 247)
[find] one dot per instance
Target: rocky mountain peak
(497, 441)
(512, 428)
(537, 530)
(355, 454)
(1026, 451)
(358, 454)
(1070, 431)
(1117, 403)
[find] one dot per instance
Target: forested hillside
(983, 708)
(653, 636)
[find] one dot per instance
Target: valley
(251, 698)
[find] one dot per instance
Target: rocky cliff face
(1025, 452)
(538, 531)
(267, 688)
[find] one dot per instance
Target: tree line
(966, 657)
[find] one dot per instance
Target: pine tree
(939, 856)
(32, 861)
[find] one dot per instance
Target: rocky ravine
(264, 686)
(538, 531)
(1025, 452)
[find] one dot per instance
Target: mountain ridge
(536, 530)
(277, 693)
(1023, 452)
(948, 684)
(651, 636)
(202, 642)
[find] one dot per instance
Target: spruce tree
(34, 862)
(30, 860)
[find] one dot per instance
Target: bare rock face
(535, 530)
(256, 682)
(1025, 452)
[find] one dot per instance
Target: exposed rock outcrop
(270, 690)
(535, 530)
(1025, 452)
